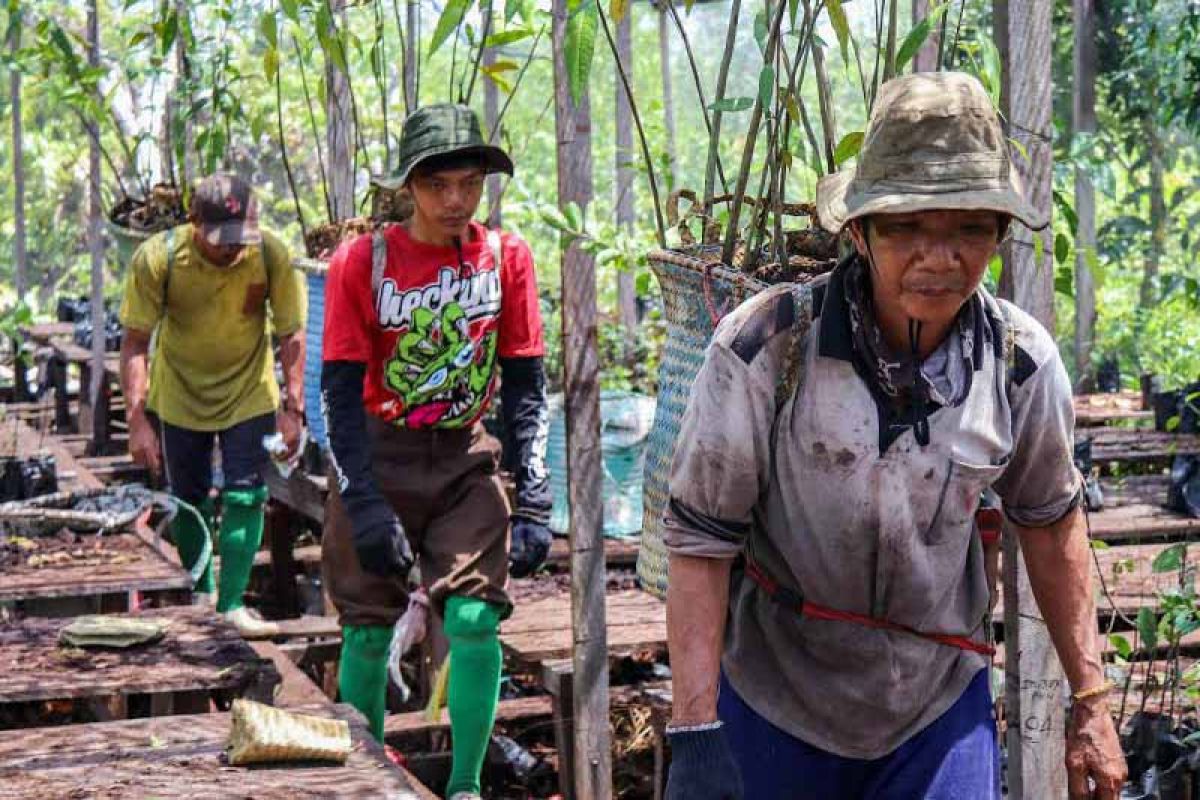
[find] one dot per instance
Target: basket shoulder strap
(793, 363)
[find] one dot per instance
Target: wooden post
(926, 58)
(94, 388)
(339, 129)
(664, 62)
(626, 291)
(1085, 193)
(491, 110)
(1034, 682)
(581, 372)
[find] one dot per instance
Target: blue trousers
(956, 758)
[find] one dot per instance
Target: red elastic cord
(810, 609)
(990, 523)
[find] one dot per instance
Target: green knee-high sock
(362, 671)
(241, 534)
(472, 626)
(189, 540)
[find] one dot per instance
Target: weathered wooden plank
(295, 688)
(18, 439)
(183, 757)
(1102, 409)
(201, 651)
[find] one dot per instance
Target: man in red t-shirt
(418, 317)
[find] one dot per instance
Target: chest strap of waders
(794, 601)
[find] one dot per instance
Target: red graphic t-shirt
(431, 335)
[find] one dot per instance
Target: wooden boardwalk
(184, 757)
(201, 653)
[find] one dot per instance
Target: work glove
(702, 766)
(383, 548)
(530, 546)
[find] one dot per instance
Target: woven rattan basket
(690, 311)
(261, 734)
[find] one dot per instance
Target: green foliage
(580, 46)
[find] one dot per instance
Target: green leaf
(642, 284)
(766, 85)
(837, 17)
(507, 37)
(730, 104)
(579, 47)
(271, 64)
(497, 78)
(995, 269)
(170, 30)
(1169, 559)
(1121, 645)
(1064, 281)
(1062, 248)
(502, 66)
(452, 17)
(270, 28)
(1098, 271)
(1147, 627)
(553, 216)
(514, 8)
(1039, 250)
(617, 9)
(1099, 544)
(138, 38)
(760, 30)
(291, 10)
(848, 147)
(575, 216)
(917, 36)
(793, 108)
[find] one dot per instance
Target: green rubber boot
(241, 534)
(473, 628)
(362, 671)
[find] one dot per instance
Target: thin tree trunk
(96, 387)
(926, 59)
(626, 291)
(1034, 682)
(339, 131)
(1085, 192)
(664, 61)
(889, 60)
(825, 95)
(412, 56)
(183, 72)
(1159, 222)
(18, 150)
(491, 112)
(592, 753)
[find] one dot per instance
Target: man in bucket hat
(826, 494)
(418, 317)
(214, 290)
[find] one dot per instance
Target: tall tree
(1084, 112)
(581, 386)
(412, 56)
(491, 112)
(1159, 221)
(926, 58)
(1033, 676)
(183, 77)
(339, 122)
(626, 291)
(95, 390)
(668, 98)
(18, 155)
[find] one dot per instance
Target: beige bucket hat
(933, 142)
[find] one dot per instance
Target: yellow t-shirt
(213, 365)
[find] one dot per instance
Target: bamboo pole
(581, 373)
(1034, 682)
(714, 134)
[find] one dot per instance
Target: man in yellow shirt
(211, 293)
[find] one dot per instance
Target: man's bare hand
(290, 426)
(1094, 751)
(143, 444)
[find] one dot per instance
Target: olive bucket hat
(439, 130)
(934, 142)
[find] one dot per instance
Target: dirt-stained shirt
(831, 494)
